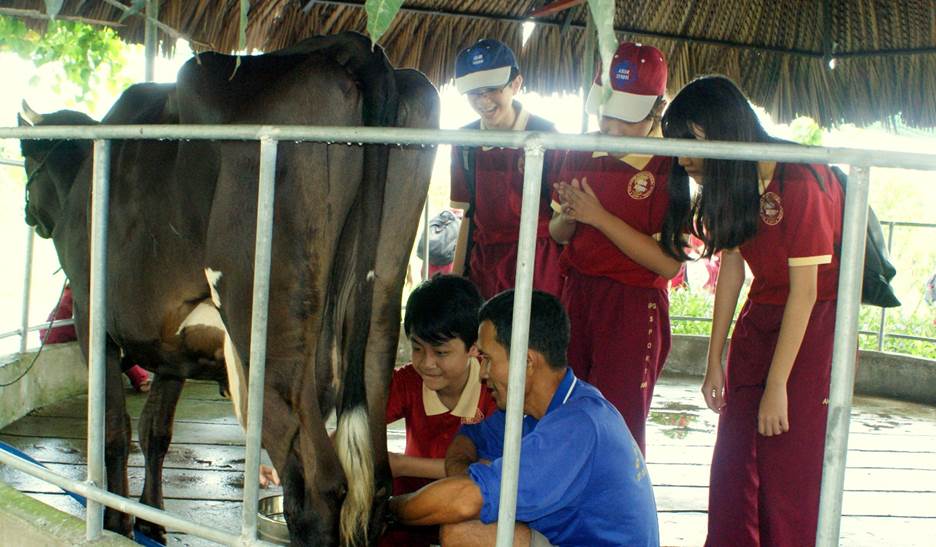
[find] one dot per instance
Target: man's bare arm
(446, 501)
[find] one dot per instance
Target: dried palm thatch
(779, 51)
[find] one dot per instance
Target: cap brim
(623, 106)
(483, 79)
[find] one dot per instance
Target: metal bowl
(271, 521)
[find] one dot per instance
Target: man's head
(441, 323)
(548, 341)
(488, 74)
(638, 83)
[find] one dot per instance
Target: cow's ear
(21, 122)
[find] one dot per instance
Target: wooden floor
(890, 483)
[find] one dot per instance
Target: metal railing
(534, 144)
(881, 333)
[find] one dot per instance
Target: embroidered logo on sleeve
(641, 185)
(771, 211)
(476, 419)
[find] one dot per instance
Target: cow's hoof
(152, 531)
(117, 522)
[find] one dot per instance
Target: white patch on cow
(355, 453)
(205, 315)
(237, 380)
(371, 276)
(213, 278)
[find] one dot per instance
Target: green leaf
(380, 14)
(602, 12)
(53, 7)
(135, 8)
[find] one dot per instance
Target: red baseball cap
(638, 77)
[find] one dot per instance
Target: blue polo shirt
(583, 481)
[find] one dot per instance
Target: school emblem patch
(641, 185)
(771, 211)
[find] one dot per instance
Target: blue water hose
(138, 536)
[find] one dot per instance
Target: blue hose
(138, 536)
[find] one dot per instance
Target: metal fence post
(97, 333)
(529, 215)
(27, 288)
(258, 334)
(425, 242)
(854, 228)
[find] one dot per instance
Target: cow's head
(51, 166)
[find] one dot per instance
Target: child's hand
(268, 476)
(772, 415)
(713, 388)
(580, 203)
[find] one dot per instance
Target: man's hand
(461, 453)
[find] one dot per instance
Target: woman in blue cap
(488, 182)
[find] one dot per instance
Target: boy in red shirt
(438, 392)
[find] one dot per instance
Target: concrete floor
(890, 496)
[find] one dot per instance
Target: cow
(182, 245)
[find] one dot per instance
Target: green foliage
(380, 14)
(805, 130)
(90, 56)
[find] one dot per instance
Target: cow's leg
(155, 436)
(116, 440)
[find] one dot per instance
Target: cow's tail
(356, 454)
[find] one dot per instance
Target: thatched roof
(777, 50)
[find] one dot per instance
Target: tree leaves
(380, 14)
(602, 12)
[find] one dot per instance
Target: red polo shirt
(633, 188)
(430, 426)
(800, 225)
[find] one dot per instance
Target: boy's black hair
(549, 324)
(443, 308)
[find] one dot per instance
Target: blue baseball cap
(486, 64)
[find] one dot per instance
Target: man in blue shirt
(583, 481)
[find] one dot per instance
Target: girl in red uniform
(608, 211)
(438, 392)
(784, 221)
(487, 183)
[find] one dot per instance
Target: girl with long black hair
(784, 221)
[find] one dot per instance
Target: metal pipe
(27, 288)
(97, 333)
(258, 334)
(880, 334)
(529, 213)
(150, 39)
(854, 229)
(12, 163)
(506, 139)
(425, 241)
(103, 497)
(34, 328)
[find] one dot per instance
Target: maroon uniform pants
(764, 491)
(620, 337)
(493, 267)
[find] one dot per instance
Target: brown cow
(345, 217)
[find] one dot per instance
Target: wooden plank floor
(890, 482)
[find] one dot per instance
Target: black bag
(876, 289)
(443, 234)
